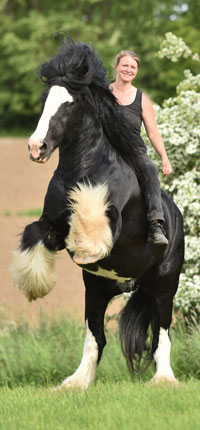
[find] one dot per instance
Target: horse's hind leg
(162, 283)
(33, 265)
(161, 346)
(99, 292)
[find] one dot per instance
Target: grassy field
(32, 360)
(122, 405)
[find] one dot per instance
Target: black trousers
(147, 174)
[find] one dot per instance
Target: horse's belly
(109, 274)
(127, 263)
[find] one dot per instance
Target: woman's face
(127, 68)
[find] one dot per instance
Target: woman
(138, 108)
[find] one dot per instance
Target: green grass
(104, 406)
(33, 359)
(22, 213)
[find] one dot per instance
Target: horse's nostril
(43, 147)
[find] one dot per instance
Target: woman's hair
(124, 53)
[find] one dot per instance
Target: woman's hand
(166, 166)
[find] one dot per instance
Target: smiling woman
(137, 108)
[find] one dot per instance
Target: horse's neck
(82, 154)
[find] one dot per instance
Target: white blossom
(174, 47)
(179, 123)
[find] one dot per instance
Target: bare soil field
(23, 187)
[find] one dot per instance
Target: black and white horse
(94, 208)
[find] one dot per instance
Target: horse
(94, 208)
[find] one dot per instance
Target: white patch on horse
(57, 95)
(90, 235)
(86, 372)
(34, 271)
(110, 274)
(164, 371)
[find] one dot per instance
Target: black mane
(75, 67)
(79, 69)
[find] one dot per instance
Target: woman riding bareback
(138, 108)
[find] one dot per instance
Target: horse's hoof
(55, 390)
(61, 389)
(70, 388)
(85, 260)
(161, 380)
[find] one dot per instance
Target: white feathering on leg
(164, 372)
(33, 271)
(90, 233)
(85, 375)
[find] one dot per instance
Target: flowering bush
(178, 122)
(174, 47)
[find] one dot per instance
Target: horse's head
(39, 148)
(75, 67)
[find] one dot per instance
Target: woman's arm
(153, 133)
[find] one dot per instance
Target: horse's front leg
(33, 265)
(98, 295)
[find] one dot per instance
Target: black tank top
(133, 113)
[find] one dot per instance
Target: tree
(27, 29)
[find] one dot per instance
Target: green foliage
(186, 350)
(39, 355)
(27, 40)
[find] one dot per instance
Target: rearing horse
(95, 209)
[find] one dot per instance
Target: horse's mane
(78, 68)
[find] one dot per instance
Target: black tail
(134, 323)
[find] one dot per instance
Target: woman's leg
(151, 190)
(148, 178)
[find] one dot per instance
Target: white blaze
(57, 95)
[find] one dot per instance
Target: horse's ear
(115, 221)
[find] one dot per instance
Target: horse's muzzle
(37, 153)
